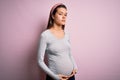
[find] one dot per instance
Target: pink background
(94, 26)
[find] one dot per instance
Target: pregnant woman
(55, 44)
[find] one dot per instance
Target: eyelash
(60, 14)
(65, 14)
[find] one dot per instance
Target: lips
(63, 20)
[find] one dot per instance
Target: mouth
(63, 20)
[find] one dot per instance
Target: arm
(41, 53)
(72, 59)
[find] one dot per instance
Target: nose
(64, 17)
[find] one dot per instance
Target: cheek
(58, 17)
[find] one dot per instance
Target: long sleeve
(72, 59)
(41, 53)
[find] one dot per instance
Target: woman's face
(60, 16)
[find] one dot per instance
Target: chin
(63, 24)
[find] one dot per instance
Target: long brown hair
(53, 12)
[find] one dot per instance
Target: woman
(55, 43)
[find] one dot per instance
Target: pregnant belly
(62, 66)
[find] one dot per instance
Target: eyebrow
(62, 12)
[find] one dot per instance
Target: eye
(65, 14)
(60, 14)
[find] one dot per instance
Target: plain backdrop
(94, 27)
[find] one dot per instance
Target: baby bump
(62, 66)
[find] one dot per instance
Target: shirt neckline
(55, 36)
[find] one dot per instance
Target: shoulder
(67, 35)
(45, 33)
(67, 32)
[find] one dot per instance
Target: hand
(73, 72)
(63, 77)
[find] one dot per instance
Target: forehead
(61, 9)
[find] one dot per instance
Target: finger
(71, 75)
(65, 76)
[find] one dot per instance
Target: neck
(57, 27)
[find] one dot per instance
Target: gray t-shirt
(58, 52)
